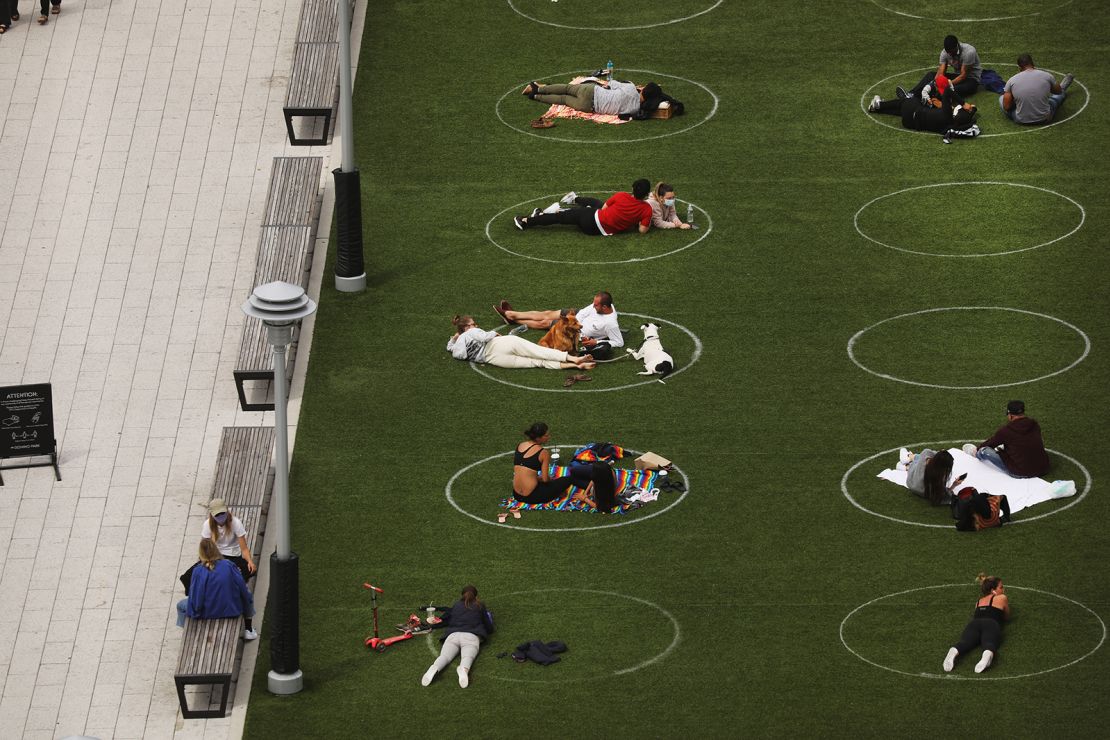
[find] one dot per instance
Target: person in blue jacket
(217, 591)
(466, 625)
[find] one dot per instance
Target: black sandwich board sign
(27, 426)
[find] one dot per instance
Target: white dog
(656, 360)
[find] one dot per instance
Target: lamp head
(279, 303)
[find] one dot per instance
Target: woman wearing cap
(229, 535)
(470, 343)
(466, 625)
(985, 627)
(663, 213)
(217, 591)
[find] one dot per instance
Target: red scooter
(409, 629)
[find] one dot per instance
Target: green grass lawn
(723, 616)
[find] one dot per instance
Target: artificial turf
(762, 562)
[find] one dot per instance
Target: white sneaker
(569, 197)
(905, 456)
(874, 104)
(250, 634)
(464, 677)
(553, 208)
(428, 676)
(970, 449)
(984, 662)
(950, 660)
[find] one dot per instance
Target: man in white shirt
(600, 330)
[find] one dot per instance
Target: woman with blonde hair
(470, 343)
(217, 591)
(229, 535)
(985, 627)
(467, 624)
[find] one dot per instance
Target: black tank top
(988, 611)
(532, 463)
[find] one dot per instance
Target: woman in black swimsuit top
(532, 481)
(985, 627)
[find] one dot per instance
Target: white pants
(457, 642)
(516, 352)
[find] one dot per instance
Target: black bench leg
(224, 682)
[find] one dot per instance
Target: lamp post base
(284, 684)
(355, 284)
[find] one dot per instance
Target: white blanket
(1021, 492)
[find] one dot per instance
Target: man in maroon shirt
(621, 212)
(1016, 447)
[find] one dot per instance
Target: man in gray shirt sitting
(966, 69)
(613, 97)
(1033, 95)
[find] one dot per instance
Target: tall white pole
(279, 337)
(346, 115)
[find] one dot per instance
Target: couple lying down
(472, 344)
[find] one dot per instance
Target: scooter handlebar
(373, 588)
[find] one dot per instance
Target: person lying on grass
(940, 109)
(985, 627)
(593, 95)
(474, 345)
(592, 217)
(600, 331)
(465, 625)
(663, 213)
(927, 474)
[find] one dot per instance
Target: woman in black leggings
(985, 627)
(532, 481)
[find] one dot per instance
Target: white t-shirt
(228, 541)
(600, 326)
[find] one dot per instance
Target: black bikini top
(532, 462)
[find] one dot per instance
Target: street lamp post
(280, 306)
(350, 270)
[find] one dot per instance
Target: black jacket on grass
(476, 620)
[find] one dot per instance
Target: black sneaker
(519, 223)
(901, 92)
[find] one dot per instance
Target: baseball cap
(942, 83)
(217, 506)
(1017, 408)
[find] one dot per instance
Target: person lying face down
(663, 212)
(592, 217)
(470, 343)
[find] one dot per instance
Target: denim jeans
(1054, 102)
(991, 456)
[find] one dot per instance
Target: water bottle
(609, 69)
(690, 215)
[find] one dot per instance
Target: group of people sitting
(1016, 448)
(598, 333)
(641, 209)
(938, 103)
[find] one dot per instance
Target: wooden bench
(314, 77)
(209, 647)
(284, 253)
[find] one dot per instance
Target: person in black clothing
(985, 627)
(946, 112)
(466, 625)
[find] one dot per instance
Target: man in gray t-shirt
(960, 63)
(1033, 95)
(613, 97)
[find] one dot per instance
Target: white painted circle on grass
(520, 86)
(943, 444)
(599, 239)
(614, 28)
(956, 677)
(480, 369)
(1076, 329)
(620, 672)
(896, 123)
(855, 219)
(448, 492)
(970, 20)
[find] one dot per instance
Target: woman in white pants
(467, 623)
(474, 345)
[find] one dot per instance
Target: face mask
(221, 519)
(668, 202)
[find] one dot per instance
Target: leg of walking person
(44, 11)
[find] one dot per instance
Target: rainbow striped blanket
(626, 480)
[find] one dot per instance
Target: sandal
(541, 123)
(582, 378)
(55, 9)
(42, 20)
(15, 16)
(571, 380)
(3, 29)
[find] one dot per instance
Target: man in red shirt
(621, 212)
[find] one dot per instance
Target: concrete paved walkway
(134, 159)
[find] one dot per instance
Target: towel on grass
(565, 111)
(1021, 492)
(626, 480)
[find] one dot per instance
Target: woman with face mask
(663, 213)
(230, 536)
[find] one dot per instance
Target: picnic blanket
(626, 480)
(1021, 492)
(565, 111)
